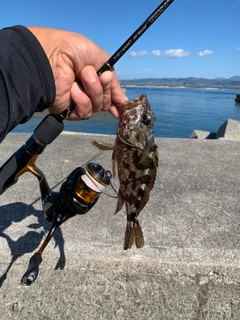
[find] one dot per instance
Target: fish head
(136, 124)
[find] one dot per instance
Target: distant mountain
(232, 82)
(235, 78)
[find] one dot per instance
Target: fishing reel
(77, 195)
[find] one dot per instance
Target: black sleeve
(26, 80)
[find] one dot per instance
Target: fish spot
(154, 148)
(131, 216)
(132, 175)
(141, 191)
(137, 204)
(140, 166)
(147, 171)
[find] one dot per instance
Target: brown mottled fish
(136, 157)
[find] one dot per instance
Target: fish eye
(145, 118)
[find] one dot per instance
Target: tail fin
(133, 234)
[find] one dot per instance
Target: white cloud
(172, 53)
(134, 54)
(142, 53)
(175, 53)
(238, 48)
(204, 53)
(156, 53)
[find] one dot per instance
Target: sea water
(179, 111)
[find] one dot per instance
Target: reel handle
(32, 271)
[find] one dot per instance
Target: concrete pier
(237, 99)
(188, 268)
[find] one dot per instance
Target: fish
(135, 157)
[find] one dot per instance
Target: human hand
(73, 58)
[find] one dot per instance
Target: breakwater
(188, 268)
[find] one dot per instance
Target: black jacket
(26, 79)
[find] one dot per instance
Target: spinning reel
(77, 195)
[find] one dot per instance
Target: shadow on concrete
(13, 216)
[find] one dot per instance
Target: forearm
(26, 79)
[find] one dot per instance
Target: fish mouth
(123, 139)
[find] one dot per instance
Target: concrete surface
(188, 268)
(230, 129)
(200, 134)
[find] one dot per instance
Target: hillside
(232, 82)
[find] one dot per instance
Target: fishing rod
(82, 188)
(52, 125)
(135, 36)
(126, 45)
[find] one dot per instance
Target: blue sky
(198, 38)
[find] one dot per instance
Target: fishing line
(203, 34)
(213, 25)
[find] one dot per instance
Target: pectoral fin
(102, 145)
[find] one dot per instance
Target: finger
(106, 79)
(115, 112)
(92, 87)
(117, 96)
(83, 105)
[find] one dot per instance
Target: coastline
(181, 86)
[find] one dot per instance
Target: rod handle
(49, 128)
